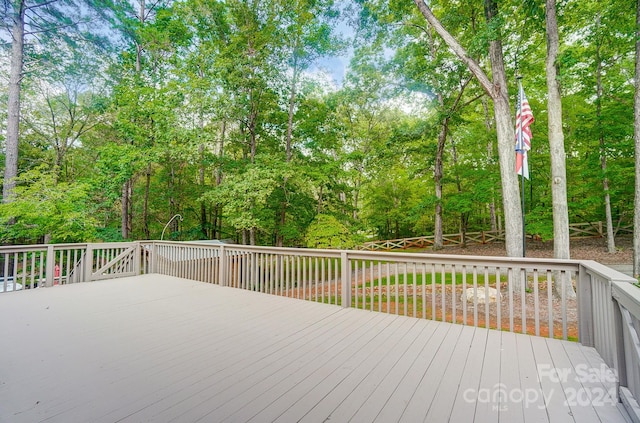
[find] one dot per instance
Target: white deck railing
(438, 287)
(28, 267)
(529, 294)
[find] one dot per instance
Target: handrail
(627, 340)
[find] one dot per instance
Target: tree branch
(455, 46)
(54, 28)
(36, 6)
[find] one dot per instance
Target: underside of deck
(159, 348)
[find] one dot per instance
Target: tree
(308, 37)
(636, 136)
(49, 23)
(556, 144)
(498, 91)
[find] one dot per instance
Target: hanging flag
(524, 119)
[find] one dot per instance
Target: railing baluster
(388, 300)
(499, 299)
(414, 291)
(405, 298)
(397, 285)
(536, 305)
(564, 277)
(523, 299)
(464, 295)
(433, 291)
(330, 279)
(15, 270)
(487, 315)
(67, 266)
(550, 303)
(364, 285)
(304, 278)
(510, 288)
(24, 269)
(322, 279)
(379, 287)
(454, 314)
(443, 292)
(356, 281)
(475, 296)
(31, 274)
(316, 279)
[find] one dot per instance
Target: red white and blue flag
(524, 119)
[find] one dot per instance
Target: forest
(118, 116)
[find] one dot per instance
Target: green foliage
(199, 126)
(43, 207)
(327, 232)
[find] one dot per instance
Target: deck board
(159, 348)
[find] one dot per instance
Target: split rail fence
(576, 230)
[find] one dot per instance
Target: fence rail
(576, 230)
(526, 295)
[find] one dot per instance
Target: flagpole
(524, 224)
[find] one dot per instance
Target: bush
(327, 232)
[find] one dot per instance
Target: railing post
(345, 279)
(153, 262)
(88, 263)
(51, 262)
(254, 271)
(619, 364)
(585, 308)
(136, 262)
(222, 268)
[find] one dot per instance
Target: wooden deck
(159, 348)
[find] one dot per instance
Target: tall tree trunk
(556, 145)
(489, 125)
(125, 211)
(506, 142)
(611, 243)
(497, 90)
(216, 221)
(13, 118)
(173, 210)
(437, 179)
(289, 151)
(636, 136)
(127, 189)
(130, 203)
(464, 218)
(145, 211)
(201, 180)
(141, 18)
